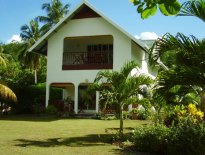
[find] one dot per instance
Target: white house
(80, 45)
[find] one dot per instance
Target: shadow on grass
(29, 118)
(85, 141)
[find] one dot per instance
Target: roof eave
(45, 37)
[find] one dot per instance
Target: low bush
(151, 139)
(175, 140)
(51, 110)
(187, 140)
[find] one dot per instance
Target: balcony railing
(87, 60)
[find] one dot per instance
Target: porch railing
(88, 60)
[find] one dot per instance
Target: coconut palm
(30, 34)
(121, 86)
(3, 57)
(5, 92)
(193, 8)
(55, 11)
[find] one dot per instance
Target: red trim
(86, 12)
(86, 67)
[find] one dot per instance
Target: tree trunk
(35, 76)
(121, 121)
(202, 96)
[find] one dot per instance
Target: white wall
(84, 27)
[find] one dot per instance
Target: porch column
(65, 94)
(130, 107)
(76, 99)
(97, 101)
(47, 94)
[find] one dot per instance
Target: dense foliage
(19, 67)
(176, 140)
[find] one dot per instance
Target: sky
(15, 13)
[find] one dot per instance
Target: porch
(88, 52)
(87, 60)
(74, 99)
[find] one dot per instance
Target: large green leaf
(149, 12)
(173, 8)
(163, 10)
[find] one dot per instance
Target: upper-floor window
(100, 47)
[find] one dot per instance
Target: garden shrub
(140, 113)
(177, 140)
(187, 140)
(184, 135)
(126, 114)
(31, 99)
(51, 109)
(151, 139)
(184, 115)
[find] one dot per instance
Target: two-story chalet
(79, 46)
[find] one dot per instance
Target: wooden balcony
(87, 60)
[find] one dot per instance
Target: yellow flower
(199, 115)
(192, 109)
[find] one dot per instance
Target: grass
(49, 136)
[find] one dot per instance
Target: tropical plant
(30, 34)
(194, 8)
(120, 86)
(55, 12)
(148, 8)
(3, 57)
(189, 65)
(5, 92)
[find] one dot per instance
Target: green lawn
(50, 136)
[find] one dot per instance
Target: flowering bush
(182, 134)
(184, 115)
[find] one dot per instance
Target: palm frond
(181, 46)
(128, 67)
(193, 8)
(7, 94)
(3, 58)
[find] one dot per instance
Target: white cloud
(147, 36)
(14, 38)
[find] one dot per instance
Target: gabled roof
(41, 45)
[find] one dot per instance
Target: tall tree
(55, 12)
(30, 34)
(121, 86)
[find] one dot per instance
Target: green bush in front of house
(184, 135)
(151, 139)
(180, 140)
(31, 99)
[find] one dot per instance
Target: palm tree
(189, 63)
(30, 34)
(193, 8)
(121, 86)
(55, 12)
(3, 57)
(5, 92)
